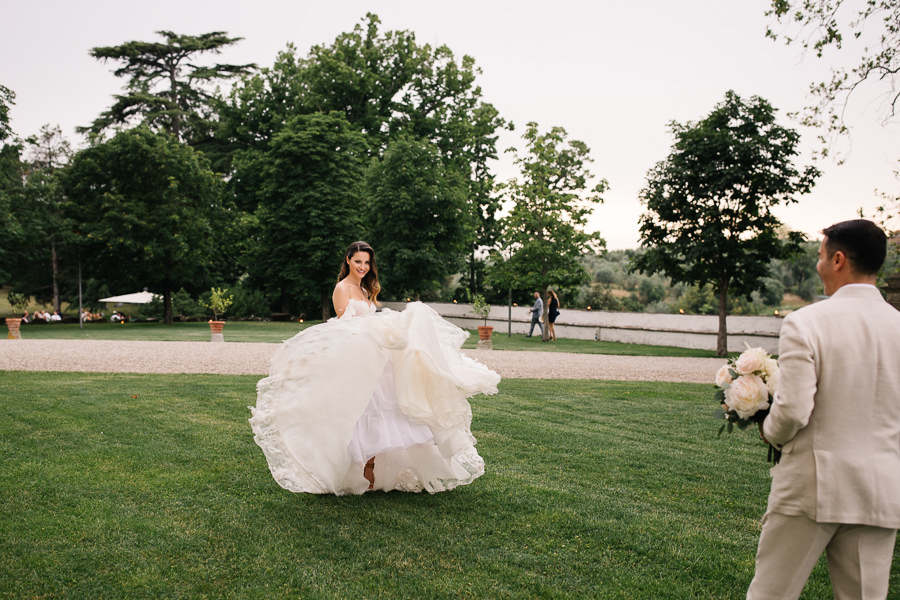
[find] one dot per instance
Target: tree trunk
(722, 337)
(326, 306)
(168, 312)
(55, 268)
(472, 286)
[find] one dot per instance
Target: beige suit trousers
(859, 558)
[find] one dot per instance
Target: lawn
(150, 486)
(276, 331)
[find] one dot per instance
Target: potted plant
(18, 303)
(483, 310)
(218, 303)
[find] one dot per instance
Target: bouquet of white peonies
(745, 389)
(746, 386)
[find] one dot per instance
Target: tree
(544, 234)
(147, 209)
(417, 217)
(386, 85)
(7, 100)
(165, 88)
(823, 24)
(709, 204)
(873, 27)
(42, 215)
(309, 207)
(11, 185)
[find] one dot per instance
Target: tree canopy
(309, 204)
(709, 205)
(401, 97)
(820, 25)
(166, 89)
(147, 210)
(11, 178)
(417, 218)
(41, 211)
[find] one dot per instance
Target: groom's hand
(761, 434)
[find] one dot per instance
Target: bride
(371, 400)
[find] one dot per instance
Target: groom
(836, 418)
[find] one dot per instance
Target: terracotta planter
(215, 328)
(484, 332)
(13, 325)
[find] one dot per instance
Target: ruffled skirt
(393, 385)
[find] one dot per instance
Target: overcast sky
(613, 74)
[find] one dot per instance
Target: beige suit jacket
(836, 415)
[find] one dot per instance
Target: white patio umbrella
(136, 298)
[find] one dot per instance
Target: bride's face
(359, 264)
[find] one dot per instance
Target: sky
(614, 75)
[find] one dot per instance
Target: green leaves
(709, 215)
(818, 25)
(149, 211)
(308, 184)
(417, 217)
(544, 233)
(183, 107)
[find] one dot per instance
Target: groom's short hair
(862, 242)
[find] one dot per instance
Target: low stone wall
(682, 331)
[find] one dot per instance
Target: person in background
(836, 419)
(536, 312)
(552, 313)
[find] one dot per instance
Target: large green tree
(309, 207)
(41, 255)
(389, 88)
(416, 217)
(545, 233)
(147, 209)
(166, 88)
(709, 216)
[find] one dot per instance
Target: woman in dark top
(552, 312)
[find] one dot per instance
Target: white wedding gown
(393, 385)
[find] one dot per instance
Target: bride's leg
(369, 472)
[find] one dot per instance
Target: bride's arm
(340, 298)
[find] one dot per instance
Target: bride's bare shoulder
(341, 297)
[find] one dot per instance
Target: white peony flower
(751, 360)
(747, 395)
(723, 377)
(771, 367)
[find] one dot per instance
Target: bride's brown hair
(369, 283)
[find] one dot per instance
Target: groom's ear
(839, 260)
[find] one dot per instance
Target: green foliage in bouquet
(745, 391)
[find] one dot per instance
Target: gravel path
(253, 359)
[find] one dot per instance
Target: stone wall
(683, 331)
